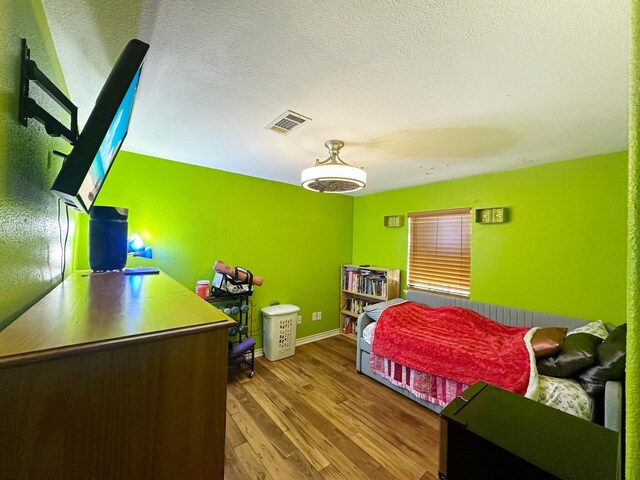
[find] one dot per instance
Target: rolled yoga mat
(242, 348)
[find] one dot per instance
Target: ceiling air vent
(287, 122)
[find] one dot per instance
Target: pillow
(566, 395)
(611, 355)
(594, 328)
(578, 352)
(548, 341)
(374, 311)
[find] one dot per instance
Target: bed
(551, 390)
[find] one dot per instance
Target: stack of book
(365, 281)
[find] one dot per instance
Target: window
(440, 251)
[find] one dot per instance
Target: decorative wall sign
(491, 215)
(393, 220)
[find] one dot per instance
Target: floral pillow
(566, 395)
(594, 328)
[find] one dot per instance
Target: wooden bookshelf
(362, 286)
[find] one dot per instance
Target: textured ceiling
(418, 91)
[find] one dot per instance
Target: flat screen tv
(86, 167)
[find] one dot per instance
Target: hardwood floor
(312, 416)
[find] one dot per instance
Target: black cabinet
(488, 432)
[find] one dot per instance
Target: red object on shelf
(203, 289)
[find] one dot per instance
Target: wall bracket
(28, 107)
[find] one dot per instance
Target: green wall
(562, 252)
(192, 216)
(633, 299)
(30, 252)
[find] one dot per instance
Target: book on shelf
(348, 325)
(356, 305)
(365, 281)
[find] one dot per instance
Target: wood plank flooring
(312, 416)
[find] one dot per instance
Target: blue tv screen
(87, 166)
(109, 147)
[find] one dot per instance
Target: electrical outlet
(314, 316)
(319, 315)
(299, 319)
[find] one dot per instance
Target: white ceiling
(418, 91)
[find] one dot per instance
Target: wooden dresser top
(96, 310)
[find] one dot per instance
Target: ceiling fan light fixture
(333, 175)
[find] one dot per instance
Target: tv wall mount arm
(28, 107)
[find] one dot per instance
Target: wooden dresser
(114, 377)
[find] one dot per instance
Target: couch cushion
(578, 353)
(611, 355)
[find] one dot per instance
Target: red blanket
(454, 343)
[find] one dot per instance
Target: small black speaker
(108, 233)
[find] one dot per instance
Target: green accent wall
(563, 251)
(30, 251)
(633, 299)
(193, 216)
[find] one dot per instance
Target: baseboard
(259, 352)
(317, 336)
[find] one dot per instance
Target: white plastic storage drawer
(279, 325)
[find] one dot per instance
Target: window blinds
(440, 251)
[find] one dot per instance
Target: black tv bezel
(78, 163)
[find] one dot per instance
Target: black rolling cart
(241, 345)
